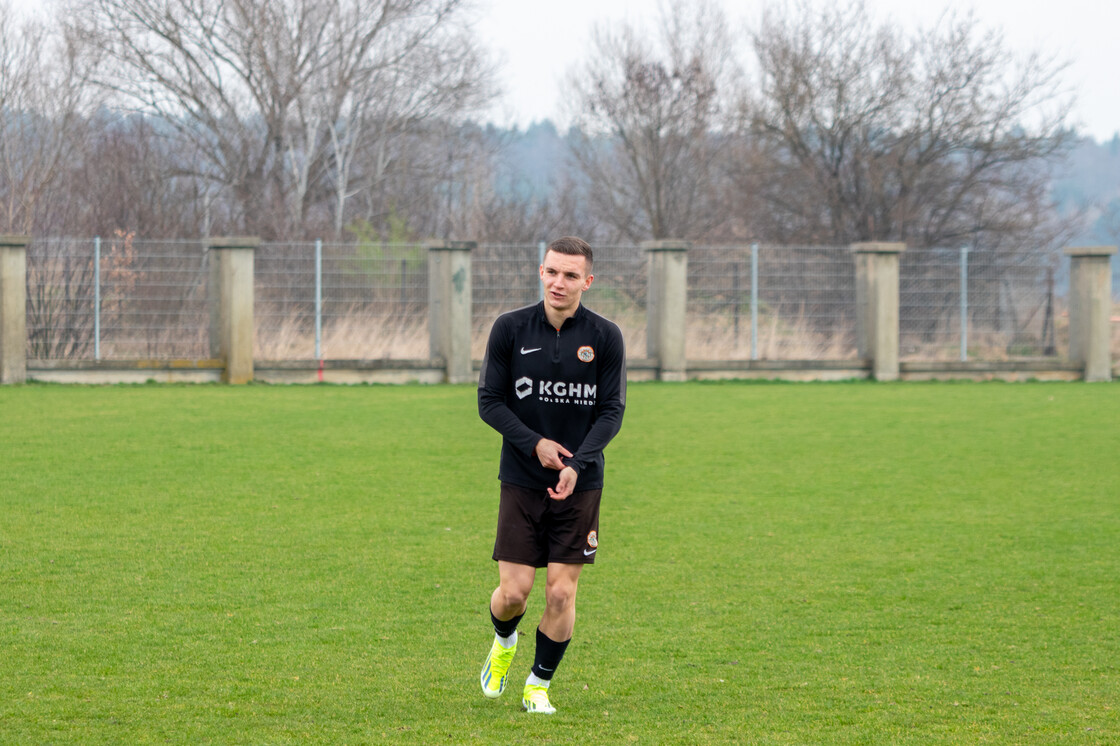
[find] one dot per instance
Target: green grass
(779, 564)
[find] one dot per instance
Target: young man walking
(553, 383)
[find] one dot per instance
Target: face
(564, 277)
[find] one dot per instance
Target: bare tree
(868, 133)
(259, 92)
(427, 89)
(119, 182)
(646, 113)
(43, 101)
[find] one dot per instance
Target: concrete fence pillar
(666, 298)
(13, 308)
(449, 306)
(877, 288)
(235, 304)
(1090, 309)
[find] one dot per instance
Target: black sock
(506, 628)
(548, 656)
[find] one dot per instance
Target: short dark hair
(572, 246)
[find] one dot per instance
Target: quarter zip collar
(573, 318)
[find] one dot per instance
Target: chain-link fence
(505, 277)
(1115, 329)
(61, 286)
(117, 298)
(1010, 307)
(123, 299)
(340, 301)
(765, 302)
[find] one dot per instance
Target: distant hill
(530, 161)
(1091, 181)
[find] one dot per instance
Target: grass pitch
(779, 564)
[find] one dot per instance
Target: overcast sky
(538, 41)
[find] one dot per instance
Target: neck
(557, 318)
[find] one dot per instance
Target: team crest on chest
(586, 354)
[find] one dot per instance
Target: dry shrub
(714, 337)
(353, 336)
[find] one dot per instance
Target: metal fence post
(964, 303)
(97, 297)
(318, 299)
(754, 301)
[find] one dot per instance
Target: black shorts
(534, 529)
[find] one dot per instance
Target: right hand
(566, 486)
(549, 453)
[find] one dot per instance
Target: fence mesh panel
(374, 301)
(60, 299)
(284, 301)
(157, 300)
(619, 292)
(152, 299)
(806, 303)
(1115, 324)
(1011, 305)
(505, 277)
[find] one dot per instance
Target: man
(553, 383)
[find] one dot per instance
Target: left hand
(566, 486)
(551, 454)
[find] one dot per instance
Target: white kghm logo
(586, 354)
(523, 387)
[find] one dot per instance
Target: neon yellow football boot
(535, 699)
(494, 670)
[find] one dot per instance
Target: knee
(560, 596)
(513, 596)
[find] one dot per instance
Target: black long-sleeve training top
(567, 385)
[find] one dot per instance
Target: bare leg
(560, 601)
(507, 604)
(512, 594)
